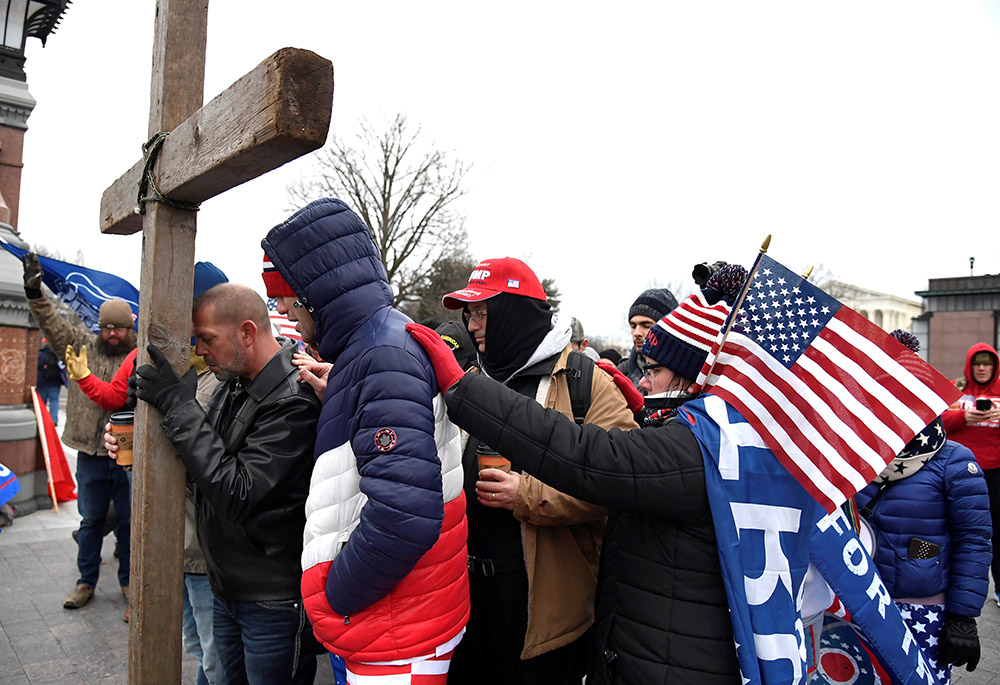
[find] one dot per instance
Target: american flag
(282, 326)
(832, 394)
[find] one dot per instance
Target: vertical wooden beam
(166, 281)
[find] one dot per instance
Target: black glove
(32, 276)
(161, 386)
(130, 399)
(959, 642)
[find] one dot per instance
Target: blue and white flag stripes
(83, 290)
(9, 486)
(769, 528)
(833, 395)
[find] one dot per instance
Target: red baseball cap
(495, 276)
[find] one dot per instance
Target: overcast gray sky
(613, 145)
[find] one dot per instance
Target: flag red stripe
(774, 405)
(782, 456)
(884, 378)
(791, 395)
(848, 384)
(907, 360)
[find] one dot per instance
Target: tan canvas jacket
(84, 418)
(562, 535)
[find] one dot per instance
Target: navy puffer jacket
(384, 561)
(944, 503)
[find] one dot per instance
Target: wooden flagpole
(45, 447)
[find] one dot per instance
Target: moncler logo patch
(385, 439)
(973, 468)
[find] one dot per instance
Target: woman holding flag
(662, 614)
(713, 523)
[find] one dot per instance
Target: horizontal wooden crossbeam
(272, 115)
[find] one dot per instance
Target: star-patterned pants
(925, 622)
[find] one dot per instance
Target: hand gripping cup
(489, 458)
(121, 426)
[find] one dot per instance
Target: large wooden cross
(275, 113)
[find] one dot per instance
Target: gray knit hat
(654, 303)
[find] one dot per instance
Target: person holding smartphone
(974, 421)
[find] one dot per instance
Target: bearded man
(99, 480)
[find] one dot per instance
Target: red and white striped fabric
(280, 322)
(430, 670)
(834, 396)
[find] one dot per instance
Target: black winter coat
(250, 454)
(661, 614)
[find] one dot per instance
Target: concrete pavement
(40, 642)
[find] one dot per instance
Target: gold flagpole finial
(807, 273)
(764, 245)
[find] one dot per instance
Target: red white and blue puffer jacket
(384, 562)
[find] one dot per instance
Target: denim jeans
(50, 396)
(99, 481)
(199, 641)
(266, 642)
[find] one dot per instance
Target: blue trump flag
(8, 484)
(769, 528)
(83, 290)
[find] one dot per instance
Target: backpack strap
(870, 507)
(580, 378)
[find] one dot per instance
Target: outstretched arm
(110, 395)
(656, 470)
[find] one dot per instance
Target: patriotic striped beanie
(275, 283)
(681, 340)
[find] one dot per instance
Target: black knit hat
(654, 303)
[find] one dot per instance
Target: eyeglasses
(649, 369)
(477, 315)
(113, 328)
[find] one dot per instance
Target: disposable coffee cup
(489, 458)
(121, 427)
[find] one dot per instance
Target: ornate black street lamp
(20, 19)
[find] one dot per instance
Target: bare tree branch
(405, 192)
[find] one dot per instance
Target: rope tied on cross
(147, 180)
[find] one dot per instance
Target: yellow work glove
(77, 365)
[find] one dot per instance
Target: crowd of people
(488, 501)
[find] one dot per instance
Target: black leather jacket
(250, 455)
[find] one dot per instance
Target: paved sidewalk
(40, 642)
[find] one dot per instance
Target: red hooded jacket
(982, 438)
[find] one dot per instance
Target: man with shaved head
(249, 454)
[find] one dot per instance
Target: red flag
(833, 395)
(63, 483)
